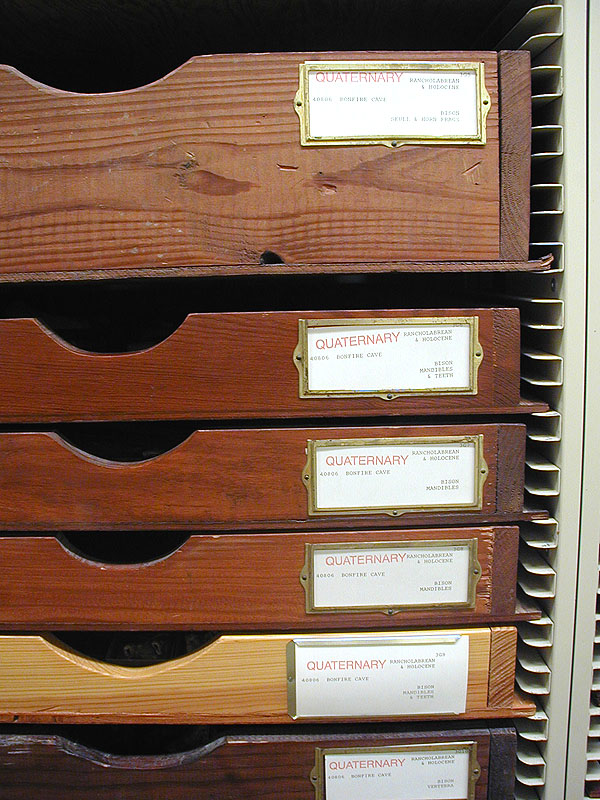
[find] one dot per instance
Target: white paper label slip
(394, 475)
(391, 575)
(411, 772)
(364, 102)
(388, 358)
(386, 676)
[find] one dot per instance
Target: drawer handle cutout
(123, 548)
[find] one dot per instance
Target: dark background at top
(106, 45)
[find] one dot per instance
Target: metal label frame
(307, 575)
(301, 359)
(317, 775)
(302, 102)
(309, 474)
(385, 639)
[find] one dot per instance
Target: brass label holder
(301, 356)
(307, 574)
(318, 773)
(310, 474)
(302, 103)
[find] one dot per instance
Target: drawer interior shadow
(118, 547)
(85, 47)
(126, 442)
(135, 442)
(132, 315)
(135, 648)
(183, 740)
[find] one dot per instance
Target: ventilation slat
(531, 767)
(593, 771)
(538, 249)
(541, 369)
(540, 534)
(547, 198)
(545, 426)
(537, 633)
(542, 587)
(534, 728)
(523, 792)
(537, 30)
(546, 142)
(542, 477)
(532, 673)
(546, 84)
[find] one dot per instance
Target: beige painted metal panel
(587, 587)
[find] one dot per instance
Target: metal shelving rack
(555, 658)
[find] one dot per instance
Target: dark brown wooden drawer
(203, 171)
(261, 478)
(261, 581)
(248, 365)
(260, 678)
(236, 764)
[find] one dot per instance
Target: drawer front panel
(160, 176)
(236, 764)
(225, 479)
(244, 365)
(256, 581)
(237, 678)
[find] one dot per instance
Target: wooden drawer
(203, 171)
(235, 764)
(251, 678)
(255, 478)
(262, 581)
(256, 365)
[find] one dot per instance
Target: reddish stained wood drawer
(203, 170)
(239, 582)
(233, 764)
(240, 365)
(247, 679)
(236, 478)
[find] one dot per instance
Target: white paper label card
(392, 102)
(384, 676)
(447, 771)
(390, 575)
(388, 358)
(395, 475)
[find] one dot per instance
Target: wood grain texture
(514, 76)
(221, 479)
(503, 652)
(227, 582)
(503, 334)
(502, 761)
(236, 365)
(205, 167)
(220, 270)
(504, 572)
(236, 765)
(237, 679)
(520, 707)
(511, 454)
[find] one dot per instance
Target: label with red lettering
(392, 575)
(405, 772)
(375, 358)
(383, 676)
(395, 475)
(394, 102)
